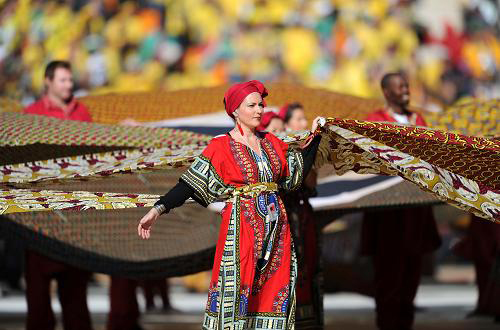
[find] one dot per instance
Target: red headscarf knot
(237, 93)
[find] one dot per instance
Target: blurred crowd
(341, 45)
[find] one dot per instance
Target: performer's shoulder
(215, 147)
(268, 135)
(218, 140)
(35, 107)
(378, 114)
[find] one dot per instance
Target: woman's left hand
(315, 124)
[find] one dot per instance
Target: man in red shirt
(398, 239)
(397, 95)
(57, 102)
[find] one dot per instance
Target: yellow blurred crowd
(342, 45)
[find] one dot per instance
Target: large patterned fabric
(93, 166)
(106, 241)
(458, 169)
(469, 116)
(20, 129)
(461, 170)
(29, 200)
(160, 104)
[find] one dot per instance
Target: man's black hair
(386, 79)
(50, 69)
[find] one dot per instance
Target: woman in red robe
(255, 271)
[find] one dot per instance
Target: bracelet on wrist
(160, 208)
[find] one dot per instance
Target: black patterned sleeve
(176, 196)
(309, 154)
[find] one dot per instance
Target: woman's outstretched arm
(175, 197)
(172, 199)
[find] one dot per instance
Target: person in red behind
(397, 95)
(306, 233)
(57, 102)
(397, 239)
(271, 122)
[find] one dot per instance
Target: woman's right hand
(147, 221)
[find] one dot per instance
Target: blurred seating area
(448, 48)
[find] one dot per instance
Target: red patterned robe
(254, 273)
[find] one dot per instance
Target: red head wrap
(237, 93)
(283, 111)
(266, 120)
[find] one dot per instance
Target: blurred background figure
(271, 122)
(151, 289)
(343, 46)
(58, 101)
(294, 117)
(306, 235)
(398, 239)
(123, 307)
(481, 245)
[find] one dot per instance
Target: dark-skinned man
(398, 239)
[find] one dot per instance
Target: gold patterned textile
(21, 129)
(469, 116)
(30, 200)
(100, 235)
(458, 169)
(93, 166)
(461, 170)
(253, 190)
(161, 104)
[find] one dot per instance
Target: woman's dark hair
(290, 109)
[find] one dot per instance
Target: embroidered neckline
(246, 145)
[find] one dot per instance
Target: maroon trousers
(72, 291)
(484, 237)
(397, 277)
(124, 310)
(397, 240)
(481, 244)
(153, 287)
